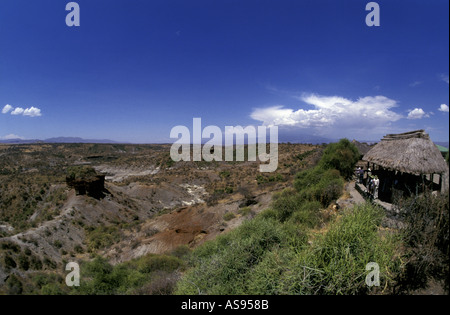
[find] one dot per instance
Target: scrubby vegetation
(281, 252)
(150, 274)
(266, 256)
(299, 245)
(426, 241)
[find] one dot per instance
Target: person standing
(376, 185)
(369, 178)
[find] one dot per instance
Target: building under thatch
(411, 152)
(407, 157)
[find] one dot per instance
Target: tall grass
(335, 262)
(265, 256)
(222, 266)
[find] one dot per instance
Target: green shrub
(285, 203)
(99, 277)
(10, 263)
(308, 214)
(229, 216)
(341, 156)
(14, 285)
(181, 251)
(101, 237)
(24, 263)
(52, 289)
(151, 263)
(319, 184)
(225, 174)
(245, 211)
(80, 172)
(268, 214)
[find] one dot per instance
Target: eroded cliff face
(137, 201)
(86, 181)
(93, 186)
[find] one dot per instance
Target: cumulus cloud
(443, 108)
(31, 112)
(17, 111)
(417, 113)
(333, 115)
(6, 109)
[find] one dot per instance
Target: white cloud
(6, 109)
(333, 115)
(17, 111)
(11, 136)
(415, 83)
(32, 112)
(443, 108)
(417, 113)
(330, 110)
(444, 77)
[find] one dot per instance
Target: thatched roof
(411, 152)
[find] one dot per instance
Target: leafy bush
(308, 214)
(10, 263)
(341, 156)
(285, 203)
(319, 184)
(229, 216)
(14, 285)
(151, 263)
(80, 172)
(101, 237)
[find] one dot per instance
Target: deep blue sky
(136, 68)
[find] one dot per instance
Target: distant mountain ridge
(282, 138)
(57, 140)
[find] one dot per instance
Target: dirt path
(350, 197)
(355, 195)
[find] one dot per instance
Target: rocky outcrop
(86, 181)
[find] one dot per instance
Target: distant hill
(296, 136)
(57, 140)
(77, 140)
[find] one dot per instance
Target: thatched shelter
(411, 152)
(407, 161)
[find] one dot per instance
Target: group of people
(372, 182)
